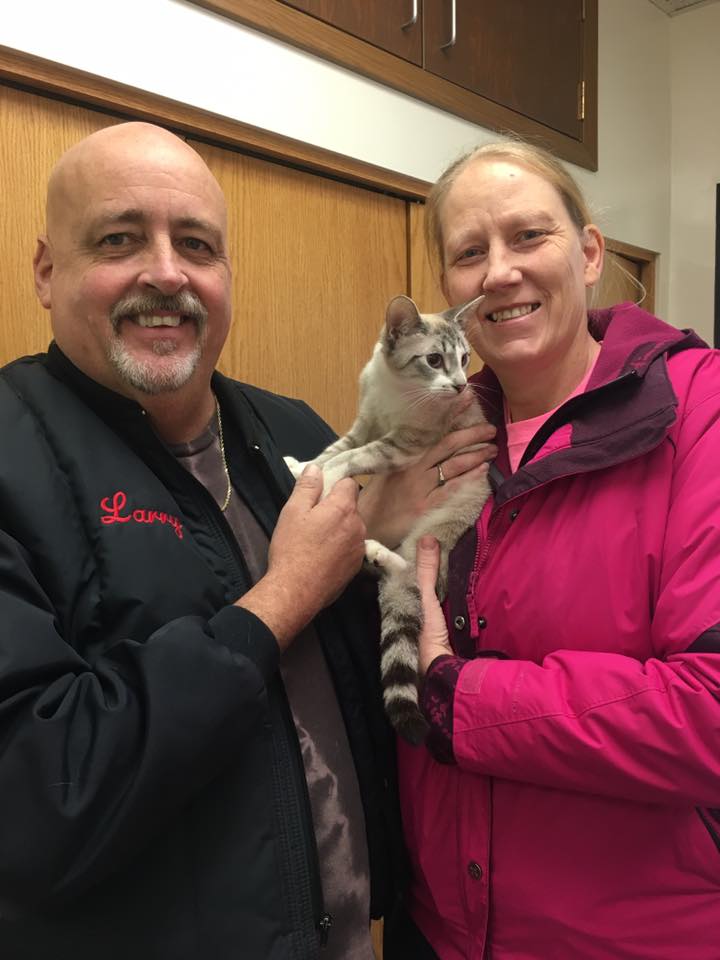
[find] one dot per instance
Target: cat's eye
(465, 359)
(434, 360)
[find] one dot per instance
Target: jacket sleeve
(602, 722)
(95, 757)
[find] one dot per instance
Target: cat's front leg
(383, 558)
(295, 467)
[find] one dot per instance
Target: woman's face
(507, 234)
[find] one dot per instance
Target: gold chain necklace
(226, 501)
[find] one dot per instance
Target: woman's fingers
(458, 440)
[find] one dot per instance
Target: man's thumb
(310, 483)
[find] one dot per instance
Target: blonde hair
(534, 158)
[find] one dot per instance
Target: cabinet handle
(413, 19)
(453, 26)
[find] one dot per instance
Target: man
(194, 761)
(153, 793)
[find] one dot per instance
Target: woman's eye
(531, 234)
(434, 360)
(470, 253)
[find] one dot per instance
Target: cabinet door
(392, 25)
(526, 55)
(36, 131)
(315, 264)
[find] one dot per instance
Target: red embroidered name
(115, 505)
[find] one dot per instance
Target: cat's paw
(295, 467)
(331, 477)
(378, 555)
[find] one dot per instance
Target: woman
(566, 804)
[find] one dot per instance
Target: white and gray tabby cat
(407, 394)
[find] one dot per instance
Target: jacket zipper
(323, 920)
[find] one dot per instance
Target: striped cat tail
(401, 618)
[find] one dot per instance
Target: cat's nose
(459, 387)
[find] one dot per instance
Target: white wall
(695, 71)
(177, 50)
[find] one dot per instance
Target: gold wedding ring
(441, 475)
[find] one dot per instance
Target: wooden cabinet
(526, 55)
(526, 66)
(392, 25)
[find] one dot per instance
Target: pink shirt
(520, 433)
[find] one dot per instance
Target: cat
(407, 394)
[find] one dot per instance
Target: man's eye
(196, 245)
(114, 240)
(434, 360)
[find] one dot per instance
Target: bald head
(127, 149)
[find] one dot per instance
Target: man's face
(134, 268)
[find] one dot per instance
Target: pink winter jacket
(570, 809)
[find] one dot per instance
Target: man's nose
(163, 269)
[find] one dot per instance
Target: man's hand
(434, 640)
(392, 502)
(316, 549)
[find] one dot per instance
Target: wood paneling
(315, 263)
(35, 132)
(129, 103)
(424, 285)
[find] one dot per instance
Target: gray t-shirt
(332, 783)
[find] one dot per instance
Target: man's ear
(43, 268)
(593, 244)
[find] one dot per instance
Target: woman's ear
(593, 246)
(42, 268)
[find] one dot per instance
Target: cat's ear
(465, 312)
(401, 317)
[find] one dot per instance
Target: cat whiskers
(424, 398)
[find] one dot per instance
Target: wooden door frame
(646, 261)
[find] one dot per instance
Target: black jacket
(152, 796)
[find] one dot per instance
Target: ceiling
(671, 7)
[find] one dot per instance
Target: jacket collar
(250, 451)
(626, 410)
(116, 408)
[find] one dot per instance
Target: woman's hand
(434, 640)
(392, 502)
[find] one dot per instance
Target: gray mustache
(184, 302)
